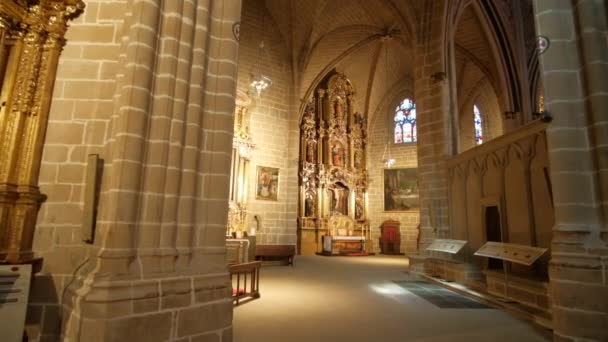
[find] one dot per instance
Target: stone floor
(364, 299)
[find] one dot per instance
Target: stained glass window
(478, 125)
(405, 122)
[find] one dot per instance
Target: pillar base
(169, 308)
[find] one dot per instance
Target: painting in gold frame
(401, 190)
(267, 183)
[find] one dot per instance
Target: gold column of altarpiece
(242, 147)
(31, 39)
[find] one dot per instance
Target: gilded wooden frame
(273, 181)
(408, 175)
(31, 39)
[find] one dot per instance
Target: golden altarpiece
(31, 39)
(332, 174)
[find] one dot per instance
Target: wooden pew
(276, 252)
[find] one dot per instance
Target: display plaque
(14, 292)
(446, 246)
(520, 254)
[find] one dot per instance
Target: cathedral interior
(303, 170)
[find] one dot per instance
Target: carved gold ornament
(31, 40)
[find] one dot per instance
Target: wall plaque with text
(520, 254)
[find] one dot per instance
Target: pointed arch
(502, 71)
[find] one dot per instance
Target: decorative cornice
(46, 15)
(501, 142)
(14, 9)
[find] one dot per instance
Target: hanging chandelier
(387, 159)
(259, 81)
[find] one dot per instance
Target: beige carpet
(354, 299)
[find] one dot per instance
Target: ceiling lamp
(387, 159)
(260, 82)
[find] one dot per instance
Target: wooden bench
(276, 252)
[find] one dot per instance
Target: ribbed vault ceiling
(348, 35)
(351, 36)
(474, 56)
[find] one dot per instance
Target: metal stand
(447, 246)
(520, 254)
(505, 293)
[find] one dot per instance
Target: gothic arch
(492, 118)
(502, 71)
(481, 68)
(404, 88)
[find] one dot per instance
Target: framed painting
(401, 189)
(267, 183)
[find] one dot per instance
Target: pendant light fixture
(259, 81)
(387, 158)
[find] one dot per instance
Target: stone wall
(79, 123)
(574, 72)
(508, 172)
(148, 85)
(270, 120)
(381, 132)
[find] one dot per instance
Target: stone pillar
(157, 268)
(434, 130)
(575, 70)
(433, 150)
(511, 121)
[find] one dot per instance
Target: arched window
(405, 122)
(477, 120)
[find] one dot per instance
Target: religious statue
(360, 119)
(339, 200)
(358, 209)
(358, 159)
(337, 155)
(309, 205)
(310, 152)
(338, 110)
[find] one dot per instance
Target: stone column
(434, 129)
(511, 121)
(157, 270)
(575, 70)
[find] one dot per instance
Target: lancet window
(478, 122)
(405, 122)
